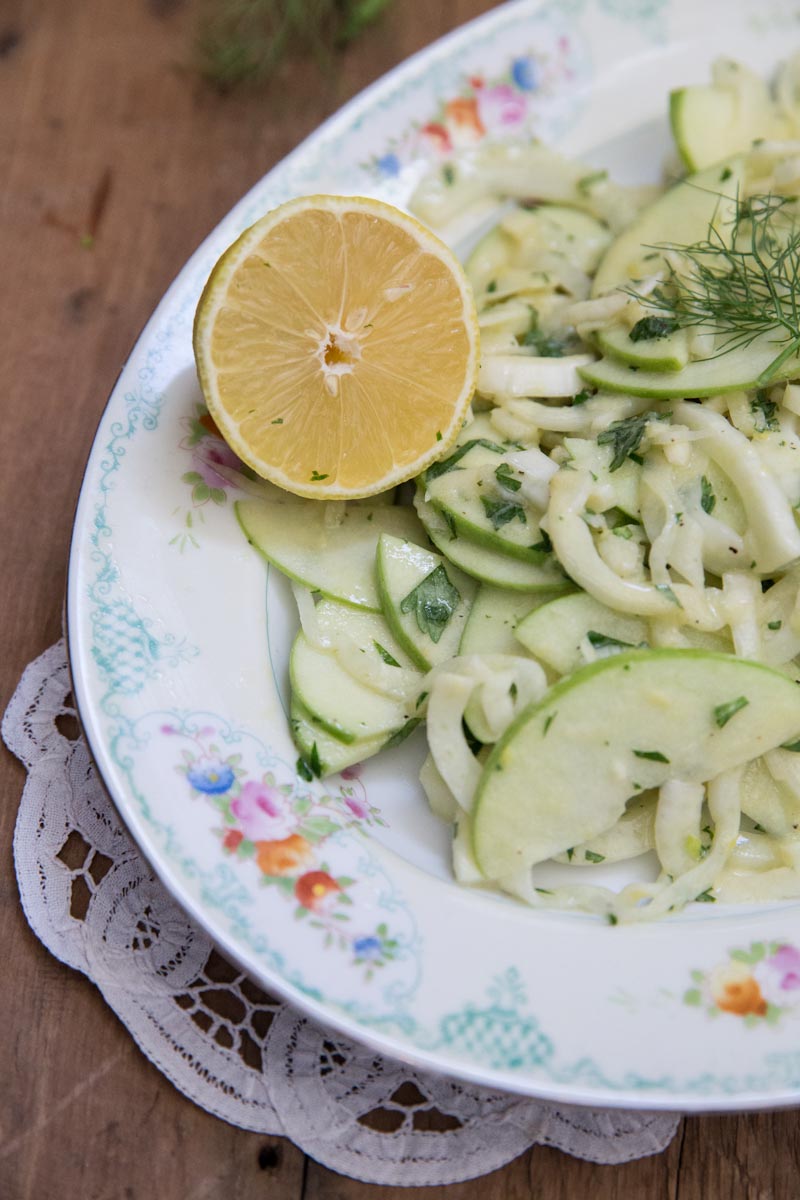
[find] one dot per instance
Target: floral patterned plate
(339, 896)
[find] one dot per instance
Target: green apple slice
(680, 216)
(710, 121)
(337, 560)
(703, 123)
(364, 645)
(487, 565)
(479, 509)
(731, 371)
(555, 632)
(493, 620)
(326, 755)
(344, 707)
(425, 600)
(564, 770)
(670, 353)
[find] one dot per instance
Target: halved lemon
(337, 344)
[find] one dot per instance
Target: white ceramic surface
(339, 897)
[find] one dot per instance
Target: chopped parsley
(277, 421)
(774, 624)
(590, 856)
(316, 477)
(725, 174)
(708, 500)
(581, 398)
(449, 174)
(764, 410)
(421, 698)
(625, 437)
(388, 658)
(401, 734)
(706, 897)
(500, 512)
(433, 602)
(651, 328)
(724, 712)
(652, 755)
(793, 746)
(545, 546)
(543, 344)
(603, 641)
(504, 474)
(548, 721)
(308, 767)
(587, 182)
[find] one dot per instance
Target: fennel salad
(591, 601)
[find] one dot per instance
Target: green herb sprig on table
(739, 282)
(245, 41)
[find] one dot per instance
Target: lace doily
(91, 899)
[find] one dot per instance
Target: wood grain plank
(753, 1157)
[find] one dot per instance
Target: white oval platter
(339, 896)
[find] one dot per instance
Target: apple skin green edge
(545, 789)
(670, 353)
(735, 370)
(472, 532)
(277, 562)
(679, 101)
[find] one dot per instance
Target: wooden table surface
(104, 131)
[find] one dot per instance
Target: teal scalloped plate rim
(339, 896)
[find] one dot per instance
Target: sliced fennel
(623, 529)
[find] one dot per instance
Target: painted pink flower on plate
(357, 807)
(263, 813)
(786, 961)
(779, 976)
(210, 454)
(501, 106)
